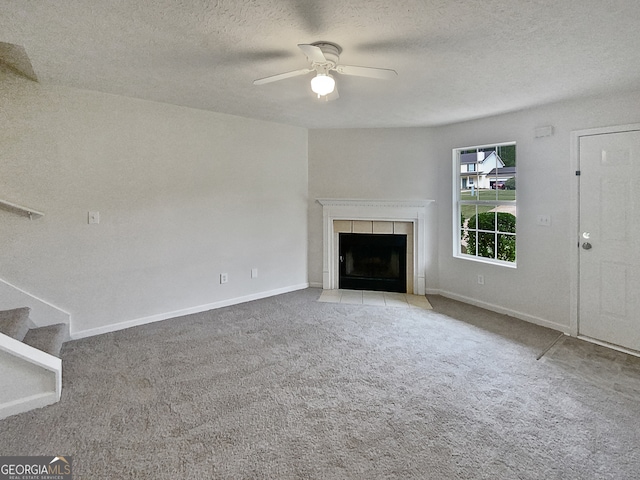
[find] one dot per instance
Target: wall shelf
(20, 210)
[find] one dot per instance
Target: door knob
(586, 246)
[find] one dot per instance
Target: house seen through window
(484, 216)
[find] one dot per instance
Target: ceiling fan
(324, 58)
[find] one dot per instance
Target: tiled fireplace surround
(404, 217)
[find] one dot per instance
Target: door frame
(574, 320)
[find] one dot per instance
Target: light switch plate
(94, 217)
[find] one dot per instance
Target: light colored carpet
(379, 299)
(292, 388)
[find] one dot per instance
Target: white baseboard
(628, 351)
(22, 405)
(257, 296)
(502, 310)
(75, 335)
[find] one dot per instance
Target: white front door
(609, 243)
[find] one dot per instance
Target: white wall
(416, 163)
(183, 195)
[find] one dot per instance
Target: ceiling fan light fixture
(323, 84)
(323, 58)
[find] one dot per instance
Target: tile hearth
(381, 299)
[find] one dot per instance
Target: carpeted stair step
(15, 322)
(49, 339)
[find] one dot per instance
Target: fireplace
(377, 217)
(373, 262)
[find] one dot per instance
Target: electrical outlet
(480, 279)
(254, 273)
(544, 220)
(224, 278)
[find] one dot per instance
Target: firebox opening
(373, 262)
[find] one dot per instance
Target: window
(484, 213)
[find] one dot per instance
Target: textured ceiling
(456, 59)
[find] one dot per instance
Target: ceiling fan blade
(313, 53)
(282, 76)
(371, 72)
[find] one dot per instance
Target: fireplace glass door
(373, 262)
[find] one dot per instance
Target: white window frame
(457, 228)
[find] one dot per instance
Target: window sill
(499, 263)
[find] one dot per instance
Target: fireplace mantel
(413, 211)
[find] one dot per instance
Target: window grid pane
(486, 213)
